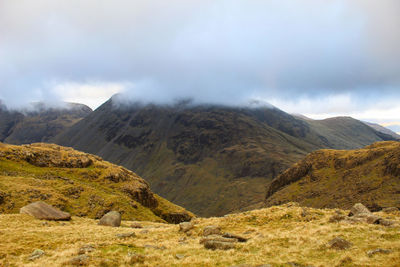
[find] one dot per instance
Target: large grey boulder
(43, 211)
(359, 210)
(113, 218)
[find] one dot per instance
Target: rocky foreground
(287, 235)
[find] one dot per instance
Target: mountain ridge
(210, 159)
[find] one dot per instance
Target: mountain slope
(382, 129)
(335, 178)
(209, 159)
(39, 122)
(79, 183)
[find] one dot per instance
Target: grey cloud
(219, 51)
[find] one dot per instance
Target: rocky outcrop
(176, 217)
(43, 211)
(340, 178)
(113, 218)
(360, 214)
(81, 183)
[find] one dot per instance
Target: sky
(317, 58)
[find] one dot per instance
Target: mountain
(209, 159)
(382, 129)
(79, 183)
(338, 178)
(39, 122)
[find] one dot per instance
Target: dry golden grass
(278, 235)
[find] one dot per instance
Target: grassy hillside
(337, 178)
(284, 236)
(38, 123)
(209, 159)
(76, 182)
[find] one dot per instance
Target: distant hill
(38, 122)
(382, 129)
(209, 159)
(79, 183)
(338, 178)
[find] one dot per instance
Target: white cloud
(383, 111)
(92, 94)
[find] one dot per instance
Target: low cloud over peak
(212, 51)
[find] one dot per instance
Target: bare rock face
(43, 211)
(113, 218)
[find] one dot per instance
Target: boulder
(238, 237)
(385, 222)
(2, 197)
(36, 254)
(79, 260)
(359, 209)
(185, 226)
(219, 245)
(125, 235)
(372, 252)
(339, 244)
(43, 211)
(112, 218)
(136, 225)
(86, 249)
(217, 238)
(391, 210)
(337, 218)
(176, 217)
(211, 230)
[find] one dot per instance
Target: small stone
(136, 225)
(219, 245)
(337, 218)
(125, 235)
(86, 249)
(185, 226)
(296, 264)
(385, 222)
(112, 218)
(390, 210)
(372, 252)
(36, 254)
(304, 212)
(239, 238)
(339, 243)
(137, 258)
(211, 230)
(45, 224)
(155, 247)
(217, 238)
(179, 256)
(79, 260)
(182, 239)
